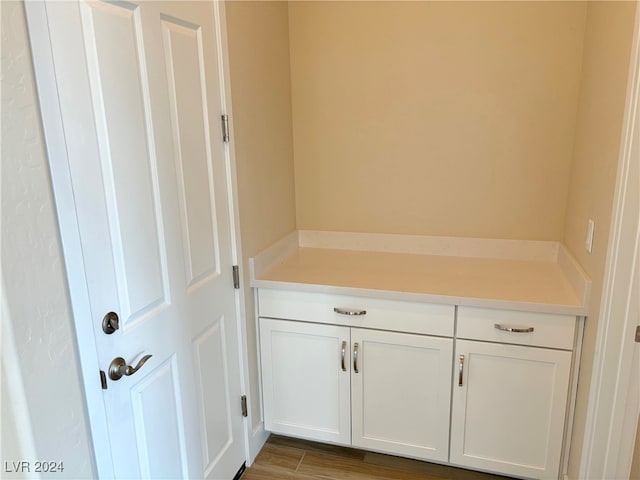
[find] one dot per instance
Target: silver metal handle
(460, 369)
(513, 328)
(355, 358)
(119, 368)
(349, 311)
(343, 353)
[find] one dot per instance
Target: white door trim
(253, 439)
(604, 449)
(69, 231)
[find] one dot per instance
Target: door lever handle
(119, 368)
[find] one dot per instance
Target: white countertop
(540, 285)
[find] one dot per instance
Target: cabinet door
(305, 388)
(401, 393)
(508, 412)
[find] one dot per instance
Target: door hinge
(236, 277)
(638, 334)
(243, 404)
(225, 128)
(103, 379)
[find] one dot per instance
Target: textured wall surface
(35, 295)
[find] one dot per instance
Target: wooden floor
(284, 458)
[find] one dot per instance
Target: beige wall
(607, 49)
(438, 118)
(258, 40)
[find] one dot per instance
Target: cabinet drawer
(410, 317)
(535, 329)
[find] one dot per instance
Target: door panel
(139, 92)
(184, 59)
(306, 391)
(509, 413)
(214, 386)
(127, 154)
(401, 394)
(156, 406)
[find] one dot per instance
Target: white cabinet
(508, 410)
(401, 393)
(383, 376)
(306, 391)
(509, 401)
(400, 387)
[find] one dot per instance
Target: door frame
(53, 128)
(604, 452)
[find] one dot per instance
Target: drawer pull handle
(460, 370)
(355, 358)
(513, 329)
(349, 311)
(343, 353)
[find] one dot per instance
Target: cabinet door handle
(355, 358)
(513, 328)
(349, 311)
(460, 369)
(343, 353)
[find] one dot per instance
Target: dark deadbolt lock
(110, 323)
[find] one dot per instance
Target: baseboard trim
(259, 437)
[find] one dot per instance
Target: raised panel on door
(305, 388)
(157, 406)
(508, 414)
(401, 393)
(127, 156)
(185, 70)
(213, 390)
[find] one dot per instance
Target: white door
(305, 380)
(140, 100)
(508, 409)
(401, 393)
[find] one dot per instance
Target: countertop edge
(572, 271)
(422, 297)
